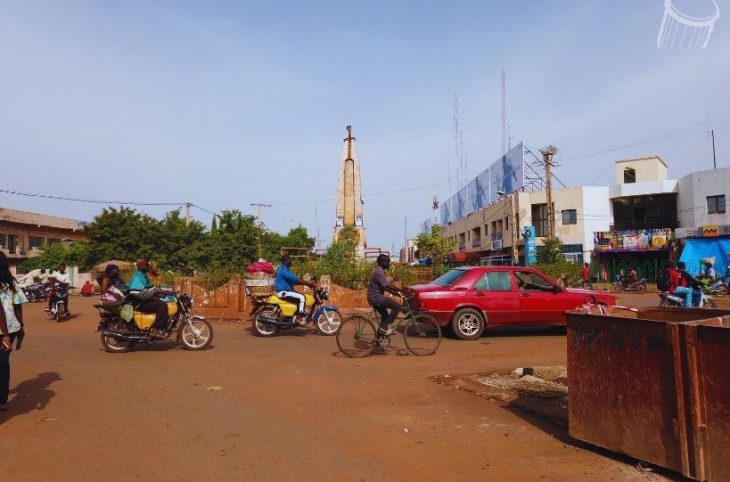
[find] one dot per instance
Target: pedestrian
(11, 324)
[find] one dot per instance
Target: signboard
(632, 240)
(496, 244)
(528, 233)
(505, 175)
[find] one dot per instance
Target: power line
(93, 201)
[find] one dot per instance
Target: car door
(494, 294)
(539, 302)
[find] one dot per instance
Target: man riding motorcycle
(142, 292)
(284, 286)
(59, 276)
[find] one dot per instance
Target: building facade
(23, 234)
(487, 236)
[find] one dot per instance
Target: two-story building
(487, 236)
(23, 234)
(704, 220)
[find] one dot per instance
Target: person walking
(11, 324)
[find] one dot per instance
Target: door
(540, 304)
(494, 295)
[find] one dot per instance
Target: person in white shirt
(59, 276)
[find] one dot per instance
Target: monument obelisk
(349, 193)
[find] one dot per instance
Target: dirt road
(286, 408)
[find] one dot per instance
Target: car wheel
(467, 324)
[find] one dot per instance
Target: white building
(702, 197)
(487, 235)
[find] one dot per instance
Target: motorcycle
(716, 288)
(271, 314)
(626, 286)
(122, 327)
(59, 305)
(35, 292)
(671, 299)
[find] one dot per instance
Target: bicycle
(357, 336)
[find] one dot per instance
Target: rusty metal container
(653, 384)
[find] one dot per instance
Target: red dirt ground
(285, 408)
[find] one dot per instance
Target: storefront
(709, 241)
(647, 251)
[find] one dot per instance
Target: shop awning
(696, 249)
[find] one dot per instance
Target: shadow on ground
(30, 395)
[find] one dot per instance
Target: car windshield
(449, 278)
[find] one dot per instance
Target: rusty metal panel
(654, 385)
(713, 343)
(621, 387)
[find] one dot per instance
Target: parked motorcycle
(59, 304)
(671, 299)
(716, 288)
(271, 314)
(626, 286)
(118, 335)
(36, 292)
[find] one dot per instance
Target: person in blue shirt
(141, 282)
(285, 282)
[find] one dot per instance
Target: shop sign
(496, 244)
(528, 233)
(632, 240)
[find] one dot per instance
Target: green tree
(551, 251)
(436, 246)
(233, 245)
(342, 263)
(121, 234)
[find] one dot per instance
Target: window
(53, 240)
(570, 216)
(449, 278)
(540, 219)
(629, 175)
(532, 281)
(35, 242)
(715, 204)
(494, 281)
(645, 212)
(3, 240)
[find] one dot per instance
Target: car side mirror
(557, 289)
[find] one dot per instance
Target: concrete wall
(597, 215)
(647, 169)
(692, 199)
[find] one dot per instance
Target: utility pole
(547, 156)
(515, 230)
(260, 218)
(714, 159)
(187, 213)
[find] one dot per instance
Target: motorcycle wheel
(328, 322)
(262, 329)
(641, 288)
(720, 290)
(616, 288)
(112, 345)
(195, 337)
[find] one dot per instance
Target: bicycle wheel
(422, 335)
(356, 337)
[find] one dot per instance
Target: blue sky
(228, 103)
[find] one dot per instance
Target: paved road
(287, 408)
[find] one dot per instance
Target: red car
(471, 298)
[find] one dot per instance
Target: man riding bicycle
(387, 308)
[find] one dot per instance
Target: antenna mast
(504, 114)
